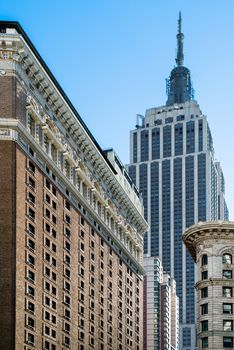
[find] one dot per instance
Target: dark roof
(13, 24)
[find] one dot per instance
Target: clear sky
(112, 57)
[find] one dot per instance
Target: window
(53, 304)
(47, 330)
(47, 184)
(67, 286)
(227, 274)
(205, 343)
(54, 191)
(67, 299)
(228, 342)
(67, 245)
(31, 260)
(204, 326)
(227, 259)
(31, 183)
(66, 341)
(31, 291)
(31, 198)
(67, 232)
(31, 229)
(204, 292)
(31, 275)
(227, 325)
(227, 308)
(227, 292)
(31, 213)
(30, 322)
(67, 205)
(204, 309)
(31, 167)
(54, 220)
(66, 327)
(30, 338)
(204, 260)
(31, 244)
(204, 275)
(67, 219)
(67, 314)
(67, 259)
(31, 307)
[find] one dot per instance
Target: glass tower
(172, 162)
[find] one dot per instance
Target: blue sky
(112, 58)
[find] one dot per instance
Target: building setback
(71, 219)
(172, 163)
(211, 245)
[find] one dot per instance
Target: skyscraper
(172, 162)
(72, 224)
(161, 314)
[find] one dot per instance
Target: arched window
(204, 260)
(227, 258)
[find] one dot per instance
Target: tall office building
(172, 162)
(72, 224)
(161, 308)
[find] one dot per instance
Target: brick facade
(71, 225)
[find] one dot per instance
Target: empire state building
(172, 162)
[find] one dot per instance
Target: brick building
(71, 219)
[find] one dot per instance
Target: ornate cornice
(24, 55)
(214, 282)
(203, 231)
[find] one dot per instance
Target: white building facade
(211, 244)
(161, 308)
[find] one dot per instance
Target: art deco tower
(172, 162)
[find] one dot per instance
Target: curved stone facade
(211, 245)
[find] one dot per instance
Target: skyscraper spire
(180, 38)
(179, 85)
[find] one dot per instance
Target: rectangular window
(31, 229)
(31, 213)
(31, 183)
(204, 275)
(204, 309)
(204, 292)
(31, 167)
(227, 308)
(31, 276)
(204, 326)
(31, 198)
(227, 274)
(31, 291)
(205, 343)
(228, 342)
(227, 325)
(227, 292)
(30, 338)
(30, 307)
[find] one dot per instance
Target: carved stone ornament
(31, 102)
